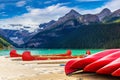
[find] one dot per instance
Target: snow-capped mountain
(18, 33)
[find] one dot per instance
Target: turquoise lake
(51, 51)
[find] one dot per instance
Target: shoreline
(11, 69)
(15, 69)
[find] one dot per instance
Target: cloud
(20, 3)
(3, 14)
(53, 12)
(37, 16)
(47, 2)
(112, 5)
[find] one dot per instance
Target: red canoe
(72, 66)
(111, 67)
(67, 68)
(116, 73)
(13, 53)
(28, 57)
(93, 67)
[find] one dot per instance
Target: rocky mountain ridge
(86, 19)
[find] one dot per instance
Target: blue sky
(11, 8)
(40, 11)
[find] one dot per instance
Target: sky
(41, 11)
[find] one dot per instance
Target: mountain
(113, 17)
(68, 20)
(71, 15)
(104, 16)
(68, 17)
(71, 19)
(17, 36)
(79, 31)
(73, 30)
(115, 13)
(4, 44)
(18, 33)
(104, 13)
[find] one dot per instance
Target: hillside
(4, 44)
(89, 36)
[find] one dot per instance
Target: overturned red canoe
(67, 68)
(28, 57)
(13, 53)
(116, 73)
(72, 66)
(93, 67)
(111, 67)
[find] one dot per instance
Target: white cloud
(50, 1)
(47, 2)
(112, 5)
(20, 3)
(37, 16)
(3, 14)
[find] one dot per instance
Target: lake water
(51, 51)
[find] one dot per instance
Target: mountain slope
(44, 25)
(89, 36)
(4, 43)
